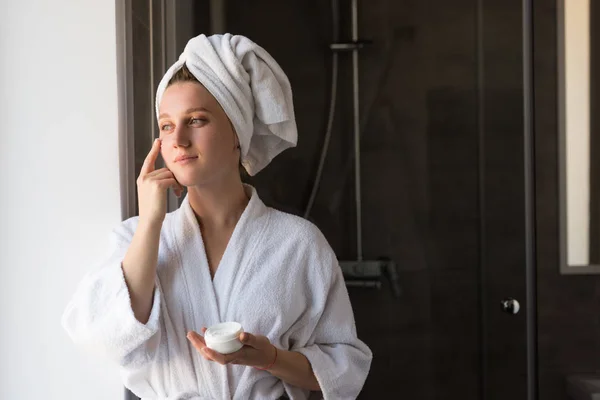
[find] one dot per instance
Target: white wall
(59, 187)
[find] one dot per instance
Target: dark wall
(424, 118)
(142, 82)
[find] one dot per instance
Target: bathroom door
(444, 174)
(457, 229)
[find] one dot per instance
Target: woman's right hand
(152, 188)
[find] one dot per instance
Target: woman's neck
(219, 205)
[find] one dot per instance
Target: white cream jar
(224, 338)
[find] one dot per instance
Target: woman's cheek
(166, 154)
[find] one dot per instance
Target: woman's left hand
(257, 351)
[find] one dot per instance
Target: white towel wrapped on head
(251, 87)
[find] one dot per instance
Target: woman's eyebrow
(189, 110)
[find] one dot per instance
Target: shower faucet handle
(351, 45)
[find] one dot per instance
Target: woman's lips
(185, 159)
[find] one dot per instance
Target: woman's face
(199, 144)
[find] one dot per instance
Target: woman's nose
(181, 137)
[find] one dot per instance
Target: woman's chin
(186, 182)
(185, 179)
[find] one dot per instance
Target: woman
(223, 255)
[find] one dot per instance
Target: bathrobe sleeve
(328, 339)
(99, 317)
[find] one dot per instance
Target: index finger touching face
(150, 161)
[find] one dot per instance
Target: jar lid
(223, 332)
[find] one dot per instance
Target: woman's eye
(165, 127)
(197, 120)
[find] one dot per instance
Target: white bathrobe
(278, 277)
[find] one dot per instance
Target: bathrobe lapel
(213, 300)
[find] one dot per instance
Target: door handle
(510, 306)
